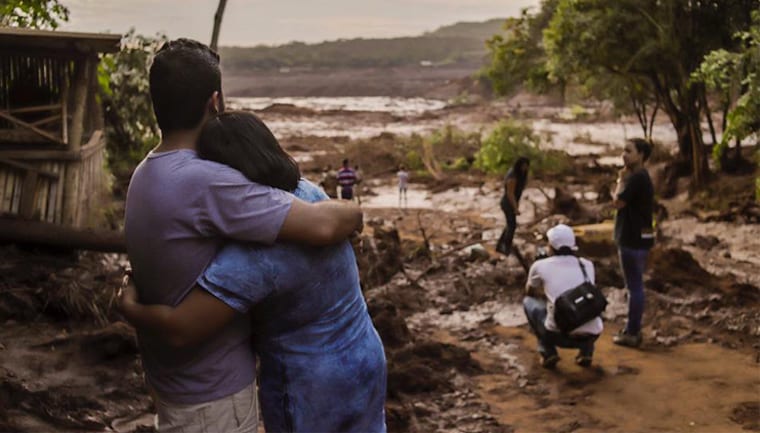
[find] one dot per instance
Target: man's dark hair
(184, 75)
(563, 251)
(643, 147)
(242, 141)
(345, 162)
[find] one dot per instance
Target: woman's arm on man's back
(198, 317)
(321, 223)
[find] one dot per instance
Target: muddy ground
(447, 306)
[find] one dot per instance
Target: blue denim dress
(322, 362)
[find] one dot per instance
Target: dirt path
(692, 374)
(694, 387)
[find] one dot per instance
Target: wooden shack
(52, 145)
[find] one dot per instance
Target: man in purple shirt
(180, 209)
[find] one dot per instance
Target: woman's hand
(127, 295)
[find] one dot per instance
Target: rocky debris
(741, 213)
(116, 340)
(59, 285)
(389, 323)
(378, 253)
(476, 253)
(56, 406)
(671, 267)
(706, 242)
(747, 414)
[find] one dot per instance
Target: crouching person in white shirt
(549, 278)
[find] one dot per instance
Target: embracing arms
(199, 316)
(322, 223)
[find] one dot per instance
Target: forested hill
(462, 42)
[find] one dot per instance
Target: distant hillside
(459, 43)
(478, 30)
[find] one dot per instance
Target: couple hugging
(235, 256)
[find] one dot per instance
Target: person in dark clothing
(634, 232)
(514, 183)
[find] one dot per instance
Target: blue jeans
(548, 341)
(633, 262)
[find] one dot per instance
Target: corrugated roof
(12, 37)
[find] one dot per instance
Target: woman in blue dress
(322, 362)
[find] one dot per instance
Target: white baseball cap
(560, 236)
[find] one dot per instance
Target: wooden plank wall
(92, 186)
(48, 197)
(92, 189)
(42, 79)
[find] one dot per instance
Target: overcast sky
(252, 22)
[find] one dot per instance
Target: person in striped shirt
(346, 180)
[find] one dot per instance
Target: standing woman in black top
(514, 183)
(634, 232)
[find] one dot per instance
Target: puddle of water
(614, 161)
(320, 128)
(464, 199)
(505, 314)
(301, 157)
(387, 197)
(397, 106)
(579, 138)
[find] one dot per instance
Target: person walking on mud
(634, 233)
(548, 279)
(346, 180)
(403, 184)
(514, 183)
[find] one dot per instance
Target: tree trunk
(40, 233)
(652, 118)
(683, 127)
(217, 24)
(738, 154)
(699, 162)
(708, 114)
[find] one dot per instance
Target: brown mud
(442, 82)
(447, 306)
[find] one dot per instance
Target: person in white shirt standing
(548, 279)
(403, 184)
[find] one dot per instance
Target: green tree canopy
(131, 126)
(517, 55)
(35, 14)
(653, 46)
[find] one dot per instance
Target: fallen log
(39, 233)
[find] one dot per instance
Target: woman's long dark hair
(520, 175)
(242, 141)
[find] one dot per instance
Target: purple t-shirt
(180, 209)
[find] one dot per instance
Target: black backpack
(579, 304)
